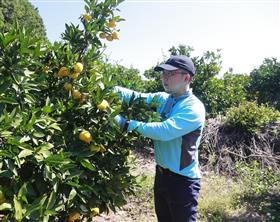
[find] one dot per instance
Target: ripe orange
(112, 24)
(109, 38)
(95, 211)
(103, 105)
(63, 72)
(102, 35)
(75, 75)
(68, 86)
(115, 35)
(76, 94)
(87, 17)
(78, 67)
(74, 216)
(85, 136)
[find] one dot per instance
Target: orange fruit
(102, 35)
(112, 24)
(109, 38)
(78, 67)
(74, 216)
(68, 86)
(115, 35)
(95, 211)
(87, 17)
(76, 94)
(75, 75)
(85, 136)
(63, 72)
(103, 105)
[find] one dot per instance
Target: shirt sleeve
(126, 94)
(182, 122)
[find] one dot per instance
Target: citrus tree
(24, 13)
(265, 83)
(62, 157)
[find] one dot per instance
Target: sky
(246, 31)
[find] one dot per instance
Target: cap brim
(165, 67)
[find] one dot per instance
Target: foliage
(125, 77)
(260, 190)
(251, 117)
(24, 13)
(218, 95)
(181, 50)
(265, 83)
(139, 110)
(257, 179)
(56, 141)
(153, 82)
(207, 66)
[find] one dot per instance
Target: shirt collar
(185, 95)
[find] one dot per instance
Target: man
(176, 140)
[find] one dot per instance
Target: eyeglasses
(168, 74)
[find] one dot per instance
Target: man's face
(174, 82)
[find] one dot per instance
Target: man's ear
(188, 78)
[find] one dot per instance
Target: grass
(218, 197)
(221, 199)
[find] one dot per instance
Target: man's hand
(121, 121)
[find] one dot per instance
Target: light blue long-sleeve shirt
(177, 137)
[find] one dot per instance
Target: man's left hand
(121, 121)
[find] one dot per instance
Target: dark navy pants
(175, 197)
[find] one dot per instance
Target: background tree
(218, 95)
(125, 77)
(24, 13)
(265, 83)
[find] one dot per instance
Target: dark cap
(177, 62)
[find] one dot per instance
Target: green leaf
(38, 134)
(18, 209)
(22, 193)
(24, 139)
(83, 154)
(85, 163)
(101, 85)
(24, 153)
(6, 133)
(12, 167)
(47, 109)
(51, 201)
(55, 126)
(72, 194)
(57, 160)
(5, 206)
(8, 100)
